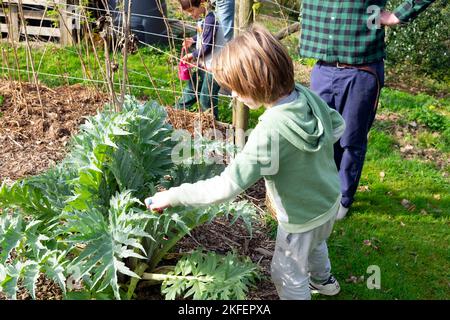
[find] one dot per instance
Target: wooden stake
(30, 55)
(14, 27)
(126, 16)
(240, 110)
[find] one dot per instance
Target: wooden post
(13, 22)
(126, 23)
(65, 24)
(236, 33)
(240, 110)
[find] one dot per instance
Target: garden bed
(33, 135)
(33, 138)
(35, 130)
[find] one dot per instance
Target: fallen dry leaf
(363, 189)
(370, 243)
(405, 203)
(355, 279)
(406, 148)
(408, 205)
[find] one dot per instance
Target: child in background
(208, 41)
(292, 148)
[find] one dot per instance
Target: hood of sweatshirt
(302, 118)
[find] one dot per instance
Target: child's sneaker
(329, 288)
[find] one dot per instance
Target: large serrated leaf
(10, 238)
(30, 275)
(107, 243)
(209, 278)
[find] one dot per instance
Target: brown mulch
(257, 194)
(190, 121)
(46, 289)
(33, 136)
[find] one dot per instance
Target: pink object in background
(183, 71)
(183, 68)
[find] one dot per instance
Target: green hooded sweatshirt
(292, 148)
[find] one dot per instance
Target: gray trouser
(298, 256)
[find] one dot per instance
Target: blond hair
(255, 65)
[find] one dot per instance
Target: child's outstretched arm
(202, 193)
(244, 171)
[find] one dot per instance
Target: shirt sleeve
(410, 9)
(208, 36)
(257, 159)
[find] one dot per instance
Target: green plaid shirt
(345, 30)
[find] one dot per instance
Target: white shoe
(328, 288)
(342, 212)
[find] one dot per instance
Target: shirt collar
(286, 99)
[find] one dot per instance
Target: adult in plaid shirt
(347, 38)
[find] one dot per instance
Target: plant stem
(158, 257)
(162, 277)
(134, 281)
(126, 28)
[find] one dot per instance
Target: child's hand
(188, 58)
(187, 43)
(158, 202)
(388, 19)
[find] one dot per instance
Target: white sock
(342, 212)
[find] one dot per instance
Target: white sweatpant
(298, 256)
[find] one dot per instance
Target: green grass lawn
(401, 218)
(60, 66)
(411, 247)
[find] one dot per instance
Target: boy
(208, 42)
(301, 178)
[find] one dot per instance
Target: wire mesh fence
(107, 45)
